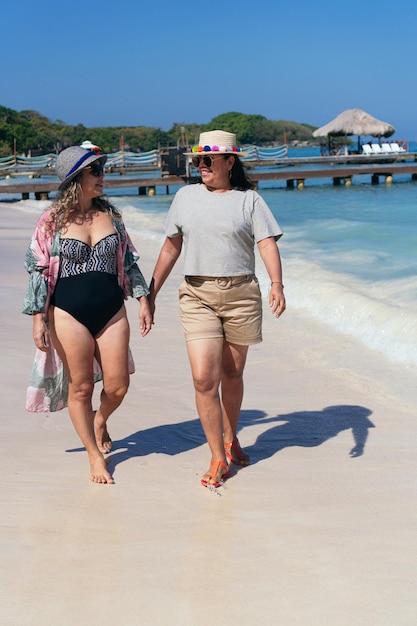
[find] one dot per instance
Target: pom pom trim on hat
(216, 149)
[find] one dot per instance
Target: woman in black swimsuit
(86, 312)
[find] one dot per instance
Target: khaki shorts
(227, 307)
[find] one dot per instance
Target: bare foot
(99, 473)
(104, 443)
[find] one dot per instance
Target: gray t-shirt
(219, 229)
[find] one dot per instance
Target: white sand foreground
(310, 534)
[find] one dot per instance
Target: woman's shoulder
(254, 195)
(119, 225)
(248, 195)
(44, 219)
(185, 195)
(46, 214)
(191, 189)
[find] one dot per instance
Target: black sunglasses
(207, 160)
(96, 169)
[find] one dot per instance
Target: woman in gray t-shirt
(218, 223)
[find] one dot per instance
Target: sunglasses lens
(207, 160)
(97, 169)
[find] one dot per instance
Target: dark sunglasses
(96, 169)
(207, 160)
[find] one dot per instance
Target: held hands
(145, 316)
(40, 332)
(277, 299)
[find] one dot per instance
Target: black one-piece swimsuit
(87, 287)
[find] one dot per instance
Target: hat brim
(86, 163)
(229, 153)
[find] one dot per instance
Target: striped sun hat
(72, 160)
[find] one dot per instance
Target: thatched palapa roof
(355, 122)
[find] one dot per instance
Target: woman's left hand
(277, 299)
(145, 316)
(40, 332)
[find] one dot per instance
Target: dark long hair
(239, 179)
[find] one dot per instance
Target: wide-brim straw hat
(72, 160)
(217, 142)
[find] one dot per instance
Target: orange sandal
(214, 469)
(229, 448)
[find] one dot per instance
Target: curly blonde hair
(66, 207)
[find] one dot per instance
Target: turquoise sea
(349, 254)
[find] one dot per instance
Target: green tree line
(29, 132)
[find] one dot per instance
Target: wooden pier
(340, 175)
(293, 177)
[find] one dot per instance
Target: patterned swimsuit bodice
(78, 257)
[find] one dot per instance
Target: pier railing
(123, 161)
(19, 163)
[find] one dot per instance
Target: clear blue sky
(154, 63)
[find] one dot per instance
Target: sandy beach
(319, 530)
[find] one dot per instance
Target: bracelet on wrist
(277, 282)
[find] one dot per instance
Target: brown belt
(222, 281)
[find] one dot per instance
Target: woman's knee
(116, 390)
(233, 374)
(205, 383)
(81, 392)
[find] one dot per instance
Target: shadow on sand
(302, 428)
(307, 429)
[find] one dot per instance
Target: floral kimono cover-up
(48, 383)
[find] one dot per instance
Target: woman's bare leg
(233, 365)
(112, 354)
(103, 438)
(205, 357)
(76, 347)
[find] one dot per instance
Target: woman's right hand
(145, 316)
(40, 332)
